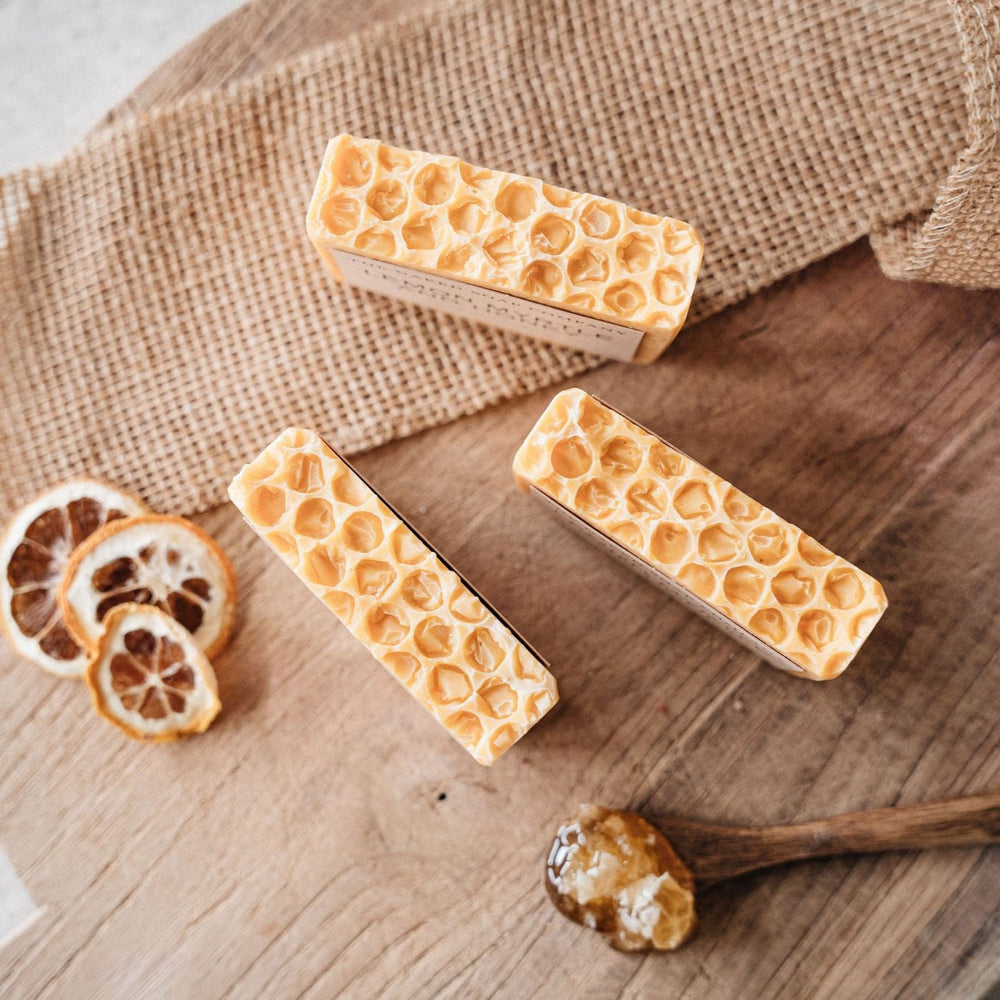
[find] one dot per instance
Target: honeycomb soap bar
(415, 615)
(736, 563)
(503, 249)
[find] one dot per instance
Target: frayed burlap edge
(958, 242)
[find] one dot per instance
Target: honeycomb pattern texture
(740, 558)
(504, 231)
(418, 618)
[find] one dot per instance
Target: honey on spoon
(618, 874)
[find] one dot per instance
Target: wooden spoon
(635, 881)
(713, 853)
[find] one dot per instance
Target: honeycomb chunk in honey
(760, 578)
(416, 616)
(581, 254)
(617, 874)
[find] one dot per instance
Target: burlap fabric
(163, 314)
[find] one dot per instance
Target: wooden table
(325, 839)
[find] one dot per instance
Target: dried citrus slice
(154, 559)
(149, 678)
(34, 552)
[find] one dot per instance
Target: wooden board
(326, 839)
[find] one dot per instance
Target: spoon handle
(714, 853)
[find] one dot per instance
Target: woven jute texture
(162, 314)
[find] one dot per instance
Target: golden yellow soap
(688, 531)
(414, 613)
(503, 249)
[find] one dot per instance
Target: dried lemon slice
(155, 559)
(34, 552)
(149, 678)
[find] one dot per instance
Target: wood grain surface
(326, 839)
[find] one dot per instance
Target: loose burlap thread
(162, 314)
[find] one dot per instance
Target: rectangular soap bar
(415, 615)
(503, 249)
(734, 562)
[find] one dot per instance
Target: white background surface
(64, 63)
(16, 907)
